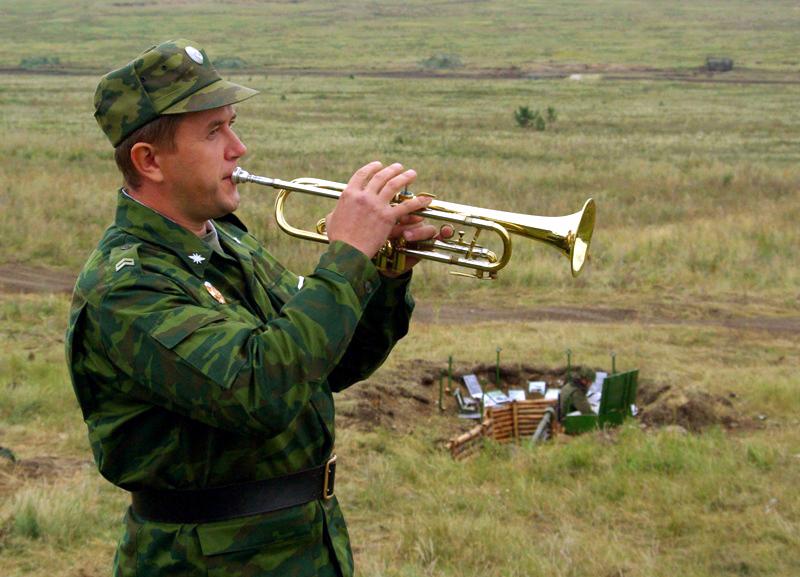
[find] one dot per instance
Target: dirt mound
(397, 400)
(692, 410)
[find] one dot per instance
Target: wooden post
(515, 418)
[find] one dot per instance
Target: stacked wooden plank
(503, 424)
(467, 444)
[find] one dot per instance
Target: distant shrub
(442, 61)
(230, 63)
(523, 116)
(552, 115)
(33, 62)
(526, 117)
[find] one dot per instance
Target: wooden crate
(504, 424)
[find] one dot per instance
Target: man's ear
(145, 159)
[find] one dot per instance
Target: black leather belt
(220, 503)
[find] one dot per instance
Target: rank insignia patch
(212, 290)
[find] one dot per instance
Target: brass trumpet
(570, 234)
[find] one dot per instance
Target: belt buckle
(328, 479)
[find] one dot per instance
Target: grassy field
(368, 35)
(695, 253)
(652, 502)
(697, 185)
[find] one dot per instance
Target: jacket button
(368, 286)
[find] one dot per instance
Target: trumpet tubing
(571, 234)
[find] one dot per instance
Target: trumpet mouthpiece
(240, 175)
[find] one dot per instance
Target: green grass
(632, 503)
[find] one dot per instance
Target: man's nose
(237, 149)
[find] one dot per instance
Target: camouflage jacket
(181, 391)
(573, 398)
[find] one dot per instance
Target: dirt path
(16, 279)
(456, 314)
(540, 72)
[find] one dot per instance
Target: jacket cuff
(395, 291)
(352, 265)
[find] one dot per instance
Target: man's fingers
(396, 183)
(379, 178)
(408, 222)
(420, 232)
(406, 207)
(364, 175)
(410, 219)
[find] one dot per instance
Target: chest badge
(197, 258)
(212, 290)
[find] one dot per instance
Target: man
(203, 368)
(573, 394)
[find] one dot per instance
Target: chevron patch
(123, 262)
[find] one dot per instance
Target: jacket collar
(145, 223)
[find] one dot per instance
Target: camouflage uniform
(573, 394)
(182, 391)
(573, 398)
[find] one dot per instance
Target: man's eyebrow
(215, 123)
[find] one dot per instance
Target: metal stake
(449, 373)
(569, 363)
(497, 368)
(441, 391)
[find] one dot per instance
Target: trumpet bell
(570, 234)
(579, 252)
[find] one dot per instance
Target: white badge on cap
(194, 54)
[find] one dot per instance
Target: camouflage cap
(171, 78)
(579, 375)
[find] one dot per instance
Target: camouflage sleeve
(385, 321)
(581, 403)
(199, 362)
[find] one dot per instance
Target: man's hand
(412, 229)
(363, 216)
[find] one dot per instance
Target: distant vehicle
(714, 64)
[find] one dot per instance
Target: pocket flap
(170, 334)
(294, 524)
